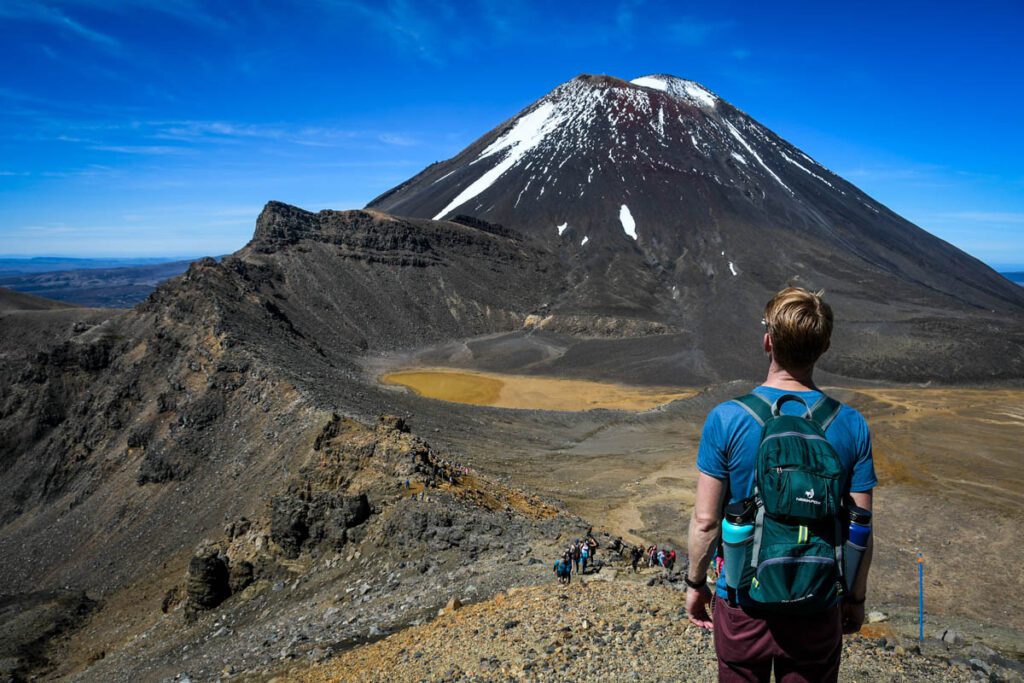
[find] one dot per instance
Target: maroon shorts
(802, 648)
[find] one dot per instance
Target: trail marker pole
(920, 596)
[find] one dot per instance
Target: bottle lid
(740, 512)
(859, 515)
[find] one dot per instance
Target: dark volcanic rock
(207, 581)
(326, 517)
(288, 525)
(28, 624)
(240, 576)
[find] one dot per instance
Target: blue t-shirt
(728, 446)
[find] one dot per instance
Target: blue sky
(161, 127)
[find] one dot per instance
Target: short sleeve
(863, 478)
(712, 458)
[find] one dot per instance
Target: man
(748, 641)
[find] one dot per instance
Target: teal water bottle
(859, 532)
(737, 536)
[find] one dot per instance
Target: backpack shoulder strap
(825, 411)
(760, 408)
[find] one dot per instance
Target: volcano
(669, 204)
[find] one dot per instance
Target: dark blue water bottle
(856, 542)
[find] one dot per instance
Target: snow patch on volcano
(628, 224)
(528, 132)
(651, 82)
(804, 168)
(736, 134)
(679, 88)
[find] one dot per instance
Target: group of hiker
(576, 558)
(655, 557)
(580, 555)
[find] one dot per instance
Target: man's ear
(766, 343)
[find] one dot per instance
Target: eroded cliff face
(127, 443)
(207, 389)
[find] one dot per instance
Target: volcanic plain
(947, 459)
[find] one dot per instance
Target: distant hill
(44, 264)
(120, 287)
(19, 301)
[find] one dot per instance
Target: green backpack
(796, 558)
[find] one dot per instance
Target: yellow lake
(526, 392)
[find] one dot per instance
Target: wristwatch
(695, 584)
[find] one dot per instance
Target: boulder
(391, 423)
(288, 524)
(240, 575)
(331, 515)
(207, 582)
(237, 529)
(951, 637)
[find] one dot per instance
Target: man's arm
(704, 530)
(853, 614)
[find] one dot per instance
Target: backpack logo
(808, 498)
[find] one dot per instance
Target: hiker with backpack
(563, 570)
(634, 556)
(788, 468)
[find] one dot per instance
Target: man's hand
(853, 616)
(697, 601)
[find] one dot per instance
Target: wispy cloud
(397, 140)
(918, 175)
(21, 10)
(159, 150)
(694, 31)
(415, 27)
(1003, 217)
(227, 132)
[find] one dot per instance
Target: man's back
(731, 436)
(750, 638)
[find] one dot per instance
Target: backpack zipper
(801, 435)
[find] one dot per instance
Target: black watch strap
(695, 584)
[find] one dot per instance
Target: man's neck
(790, 380)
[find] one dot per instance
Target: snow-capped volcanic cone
(664, 165)
(663, 198)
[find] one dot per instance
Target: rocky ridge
(373, 533)
(613, 626)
